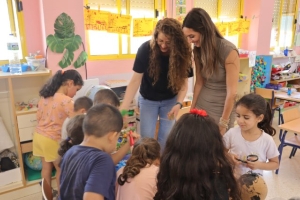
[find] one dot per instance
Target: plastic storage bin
(36, 64)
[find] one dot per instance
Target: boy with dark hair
(81, 106)
(106, 96)
(87, 170)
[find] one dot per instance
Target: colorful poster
(244, 26)
(118, 23)
(222, 27)
(142, 27)
(95, 20)
(233, 28)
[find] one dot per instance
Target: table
(291, 126)
(295, 96)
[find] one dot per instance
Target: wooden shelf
(11, 186)
(25, 74)
(24, 112)
(281, 57)
(283, 80)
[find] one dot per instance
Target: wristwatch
(179, 104)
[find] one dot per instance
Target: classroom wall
(39, 17)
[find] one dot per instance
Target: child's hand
(253, 165)
(135, 136)
(234, 158)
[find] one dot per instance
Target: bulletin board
(261, 73)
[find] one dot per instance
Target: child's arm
(273, 164)
(92, 196)
(117, 157)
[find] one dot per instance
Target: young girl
(252, 139)
(194, 164)
(137, 180)
(54, 106)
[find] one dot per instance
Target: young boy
(108, 96)
(87, 170)
(81, 105)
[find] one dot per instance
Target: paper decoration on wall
(244, 26)
(95, 20)
(118, 23)
(233, 28)
(260, 75)
(222, 27)
(142, 27)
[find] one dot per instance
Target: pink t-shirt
(51, 114)
(141, 187)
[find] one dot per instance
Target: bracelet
(223, 125)
(178, 103)
(224, 120)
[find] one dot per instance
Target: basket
(36, 64)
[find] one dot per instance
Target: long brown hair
(144, 152)
(206, 56)
(180, 54)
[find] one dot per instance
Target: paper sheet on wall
(244, 26)
(233, 28)
(142, 27)
(118, 23)
(95, 20)
(222, 27)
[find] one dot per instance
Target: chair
(294, 141)
(268, 94)
(46, 190)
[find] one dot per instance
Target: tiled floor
(283, 186)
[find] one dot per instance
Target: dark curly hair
(75, 134)
(59, 79)
(258, 105)
(144, 152)
(206, 56)
(194, 164)
(180, 60)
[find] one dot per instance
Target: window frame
(120, 56)
(21, 25)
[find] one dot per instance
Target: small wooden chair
(268, 94)
(294, 142)
(46, 190)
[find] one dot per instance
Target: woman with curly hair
(217, 68)
(194, 164)
(161, 70)
(137, 180)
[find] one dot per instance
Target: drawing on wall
(260, 75)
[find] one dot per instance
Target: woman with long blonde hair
(161, 70)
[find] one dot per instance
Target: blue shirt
(87, 169)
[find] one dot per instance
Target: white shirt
(64, 133)
(264, 147)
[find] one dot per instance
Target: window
(283, 26)
(104, 45)
(11, 22)
(222, 11)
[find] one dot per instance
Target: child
(54, 106)
(253, 136)
(87, 170)
(81, 106)
(74, 134)
(108, 96)
(194, 164)
(137, 180)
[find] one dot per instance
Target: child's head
(106, 96)
(82, 105)
(103, 121)
(75, 134)
(194, 155)
(70, 79)
(146, 151)
(253, 111)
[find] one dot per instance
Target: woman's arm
(131, 90)
(232, 67)
(197, 88)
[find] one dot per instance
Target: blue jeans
(149, 113)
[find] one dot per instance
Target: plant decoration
(65, 41)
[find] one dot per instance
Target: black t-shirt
(159, 91)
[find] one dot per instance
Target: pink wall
(260, 13)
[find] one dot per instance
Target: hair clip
(68, 139)
(199, 112)
(62, 72)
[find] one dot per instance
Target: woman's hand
(174, 112)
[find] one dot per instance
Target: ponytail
(59, 78)
(143, 153)
(265, 124)
(64, 147)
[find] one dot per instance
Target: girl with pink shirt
(137, 180)
(54, 106)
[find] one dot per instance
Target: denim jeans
(149, 113)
